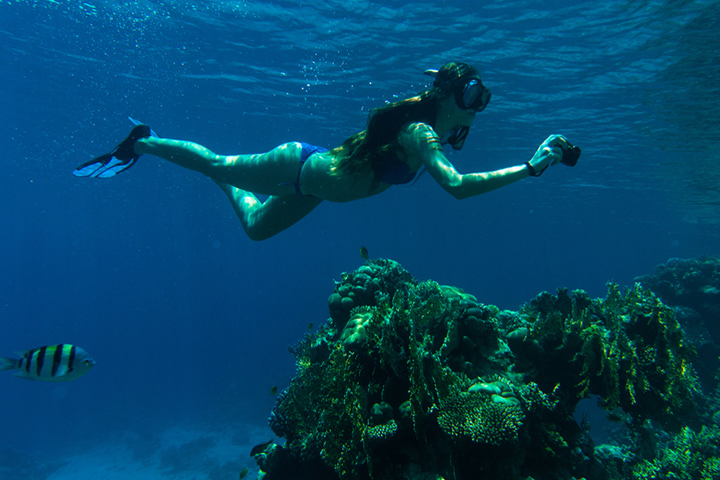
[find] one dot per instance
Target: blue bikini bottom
(307, 151)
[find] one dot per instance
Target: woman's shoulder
(417, 134)
(416, 127)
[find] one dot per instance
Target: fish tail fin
(7, 364)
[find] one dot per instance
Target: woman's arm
(423, 140)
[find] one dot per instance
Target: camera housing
(570, 154)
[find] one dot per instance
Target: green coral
(379, 433)
(456, 292)
(354, 334)
(693, 283)
(483, 418)
(627, 348)
(324, 415)
(653, 373)
(390, 361)
(375, 280)
(692, 456)
(692, 286)
(413, 379)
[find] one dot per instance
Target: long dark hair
(364, 152)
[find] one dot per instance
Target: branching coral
(691, 456)
(416, 377)
(396, 351)
(627, 348)
(323, 412)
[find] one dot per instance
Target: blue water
(188, 320)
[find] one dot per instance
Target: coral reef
(414, 380)
(688, 456)
(690, 282)
(628, 349)
(483, 417)
(692, 288)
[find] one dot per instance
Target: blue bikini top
(395, 171)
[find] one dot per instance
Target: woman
(400, 139)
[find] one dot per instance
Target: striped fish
(52, 363)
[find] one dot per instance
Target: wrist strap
(531, 169)
(533, 172)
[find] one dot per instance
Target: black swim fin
(119, 160)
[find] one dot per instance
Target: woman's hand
(549, 153)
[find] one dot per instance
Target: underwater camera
(570, 154)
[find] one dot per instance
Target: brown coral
(381, 433)
(481, 418)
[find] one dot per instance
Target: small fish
(243, 473)
(52, 363)
(364, 253)
(273, 391)
(310, 325)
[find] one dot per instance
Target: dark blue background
(190, 321)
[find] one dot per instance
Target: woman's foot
(120, 159)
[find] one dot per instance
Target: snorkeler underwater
(402, 139)
(465, 240)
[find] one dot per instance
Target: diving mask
(474, 95)
(470, 94)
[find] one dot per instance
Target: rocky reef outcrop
(416, 380)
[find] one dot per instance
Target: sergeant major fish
(52, 363)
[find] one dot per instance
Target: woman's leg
(274, 173)
(271, 173)
(262, 220)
